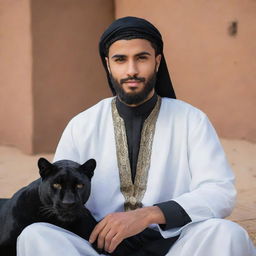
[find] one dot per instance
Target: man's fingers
(115, 241)
(98, 228)
(108, 239)
(102, 237)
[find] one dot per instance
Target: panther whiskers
(47, 211)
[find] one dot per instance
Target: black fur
(58, 197)
(42, 201)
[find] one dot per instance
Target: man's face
(133, 65)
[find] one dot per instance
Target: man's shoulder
(181, 107)
(181, 112)
(95, 110)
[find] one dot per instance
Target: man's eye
(142, 57)
(118, 60)
(56, 186)
(79, 185)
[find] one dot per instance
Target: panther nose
(68, 203)
(68, 200)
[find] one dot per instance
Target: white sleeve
(212, 192)
(66, 148)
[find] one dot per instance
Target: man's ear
(107, 61)
(88, 167)
(158, 61)
(45, 167)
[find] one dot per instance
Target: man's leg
(213, 237)
(45, 239)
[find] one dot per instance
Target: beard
(134, 97)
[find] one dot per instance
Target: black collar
(141, 110)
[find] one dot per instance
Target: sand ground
(18, 169)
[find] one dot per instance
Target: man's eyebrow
(118, 56)
(142, 53)
(123, 56)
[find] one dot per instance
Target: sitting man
(160, 162)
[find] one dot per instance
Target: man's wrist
(153, 215)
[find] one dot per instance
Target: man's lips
(132, 83)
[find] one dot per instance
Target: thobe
(187, 166)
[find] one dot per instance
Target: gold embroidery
(133, 193)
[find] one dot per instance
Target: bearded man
(159, 161)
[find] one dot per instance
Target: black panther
(58, 197)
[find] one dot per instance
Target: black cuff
(174, 214)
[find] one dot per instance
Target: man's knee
(32, 231)
(231, 230)
(213, 237)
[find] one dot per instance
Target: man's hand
(115, 227)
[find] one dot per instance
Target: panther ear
(45, 167)
(88, 167)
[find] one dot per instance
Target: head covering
(132, 27)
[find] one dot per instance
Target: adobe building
(50, 68)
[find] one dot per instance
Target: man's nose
(132, 69)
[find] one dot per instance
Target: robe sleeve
(66, 148)
(211, 193)
(174, 214)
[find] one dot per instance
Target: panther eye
(57, 185)
(79, 185)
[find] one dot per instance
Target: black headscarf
(133, 27)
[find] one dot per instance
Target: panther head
(65, 187)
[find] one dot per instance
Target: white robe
(188, 165)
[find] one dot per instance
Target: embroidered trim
(133, 193)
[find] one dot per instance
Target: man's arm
(115, 227)
(211, 193)
(175, 215)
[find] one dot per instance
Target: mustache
(134, 78)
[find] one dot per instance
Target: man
(159, 161)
